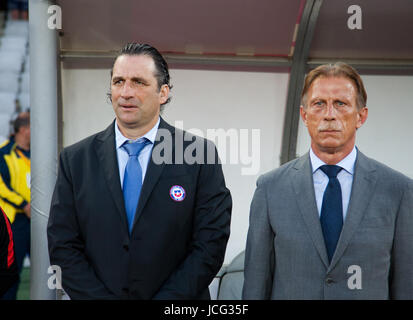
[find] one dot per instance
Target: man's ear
(303, 114)
(163, 94)
(362, 116)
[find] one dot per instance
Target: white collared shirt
(144, 155)
(345, 177)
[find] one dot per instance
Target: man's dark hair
(161, 66)
(22, 120)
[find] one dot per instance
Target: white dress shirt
(144, 155)
(345, 177)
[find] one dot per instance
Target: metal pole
(298, 70)
(43, 99)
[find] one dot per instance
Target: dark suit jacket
(175, 248)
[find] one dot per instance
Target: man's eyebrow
(317, 99)
(117, 78)
(139, 79)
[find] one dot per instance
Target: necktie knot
(134, 148)
(331, 170)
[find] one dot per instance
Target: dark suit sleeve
(401, 284)
(66, 246)
(8, 267)
(211, 229)
(259, 254)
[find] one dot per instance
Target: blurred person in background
(15, 189)
(18, 9)
(3, 5)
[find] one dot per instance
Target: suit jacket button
(126, 247)
(329, 281)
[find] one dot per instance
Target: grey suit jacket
(286, 256)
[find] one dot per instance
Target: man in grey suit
(332, 224)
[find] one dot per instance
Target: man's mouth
(128, 106)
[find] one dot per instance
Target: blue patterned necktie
(331, 218)
(132, 181)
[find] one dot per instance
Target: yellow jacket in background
(14, 179)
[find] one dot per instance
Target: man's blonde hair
(338, 69)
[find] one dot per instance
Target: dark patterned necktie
(331, 218)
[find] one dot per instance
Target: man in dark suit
(128, 218)
(332, 224)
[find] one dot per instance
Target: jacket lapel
(106, 151)
(304, 190)
(362, 189)
(153, 171)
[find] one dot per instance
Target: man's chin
(330, 147)
(128, 122)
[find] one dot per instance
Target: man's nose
(126, 91)
(330, 111)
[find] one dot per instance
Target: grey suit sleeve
(259, 255)
(66, 246)
(401, 283)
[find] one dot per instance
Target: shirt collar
(347, 163)
(150, 135)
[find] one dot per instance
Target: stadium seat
(11, 60)
(232, 279)
(4, 125)
(9, 81)
(13, 43)
(16, 28)
(3, 139)
(25, 82)
(7, 103)
(24, 100)
(27, 63)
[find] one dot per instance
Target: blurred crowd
(14, 144)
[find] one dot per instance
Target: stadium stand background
(14, 92)
(14, 71)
